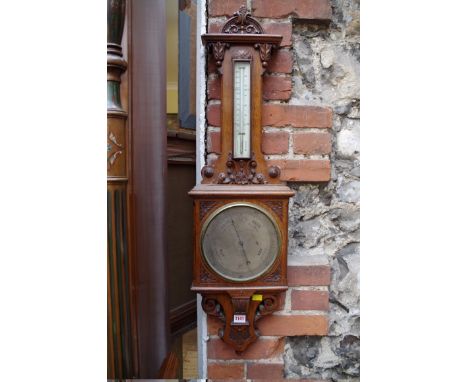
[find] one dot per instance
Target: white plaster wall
(200, 146)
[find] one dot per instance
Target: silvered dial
(240, 241)
(241, 136)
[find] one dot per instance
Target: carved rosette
(267, 306)
(274, 277)
(207, 171)
(205, 207)
(205, 275)
(274, 171)
(276, 206)
(211, 306)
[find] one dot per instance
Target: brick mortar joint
(323, 288)
(282, 49)
(304, 313)
(272, 20)
(291, 145)
(290, 18)
(313, 130)
(292, 129)
(217, 19)
(273, 129)
(321, 261)
(215, 336)
(273, 361)
(278, 75)
(318, 44)
(287, 300)
(274, 102)
(307, 105)
(263, 361)
(292, 156)
(262, 20)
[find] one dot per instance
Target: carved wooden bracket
(218, 48)
(241, 172)
(265, 53)
(241, 28)
(239, 312)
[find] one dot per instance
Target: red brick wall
(297, 139)
(304, 313)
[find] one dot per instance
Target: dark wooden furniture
(121, 359)
(180, 178)
(149, 177)
(247, 180)
(137, 288)
(169, 367)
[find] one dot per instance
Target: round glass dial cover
(240, 241)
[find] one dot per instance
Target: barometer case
(241, 205)
(235, 225)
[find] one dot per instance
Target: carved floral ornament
(240, 172)
(242, 22)
(265, 53)
(114, 149)
(218, 49)
(242, 54)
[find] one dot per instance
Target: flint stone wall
(324, 219)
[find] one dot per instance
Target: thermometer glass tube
(241, 138)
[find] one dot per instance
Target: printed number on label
(239, 318)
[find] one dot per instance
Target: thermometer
(241, 110)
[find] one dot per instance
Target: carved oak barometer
(241, 207)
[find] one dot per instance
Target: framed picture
(187, 63)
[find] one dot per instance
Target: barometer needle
(241, 243)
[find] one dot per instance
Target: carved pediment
(242, 22)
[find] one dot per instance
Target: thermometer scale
(241, 110)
